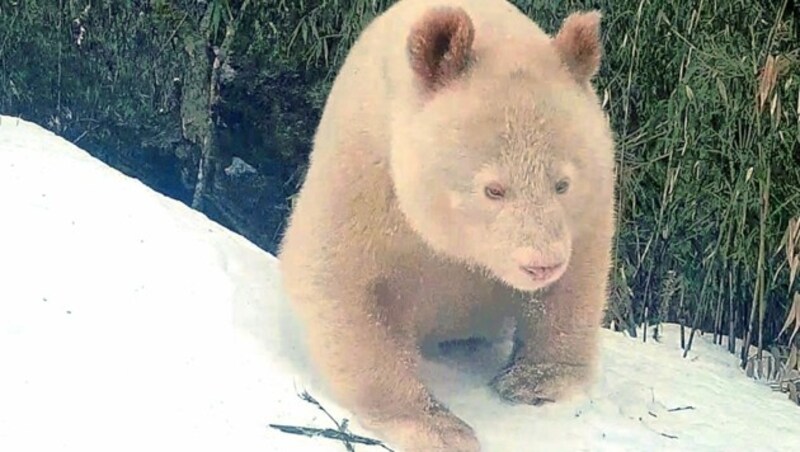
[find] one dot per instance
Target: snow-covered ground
(130, 322)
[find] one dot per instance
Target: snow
(130, 322)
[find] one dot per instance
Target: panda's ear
(439, 46)
(578, 43)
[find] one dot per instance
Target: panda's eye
(494, 191)
(562, 186)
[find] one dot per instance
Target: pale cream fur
(393, 239)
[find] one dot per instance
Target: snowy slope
(130, 322)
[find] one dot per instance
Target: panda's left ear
(439, 47)
(578, 44)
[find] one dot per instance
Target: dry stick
(340, 434)
(329, 433)
(666, 435)
(681, 408)
(308, 398)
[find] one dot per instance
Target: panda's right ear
(440, 47)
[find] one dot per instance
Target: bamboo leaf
(791, 362)
(793, 317)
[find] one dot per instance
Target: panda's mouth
(544, 274)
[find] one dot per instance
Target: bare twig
(681, 408)
(330, 434)
(340, 433)
(308, 398)
(666, 435)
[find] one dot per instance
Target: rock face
(252, 202)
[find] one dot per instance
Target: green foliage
(286, 60)
(102, 73)
(696, 155)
